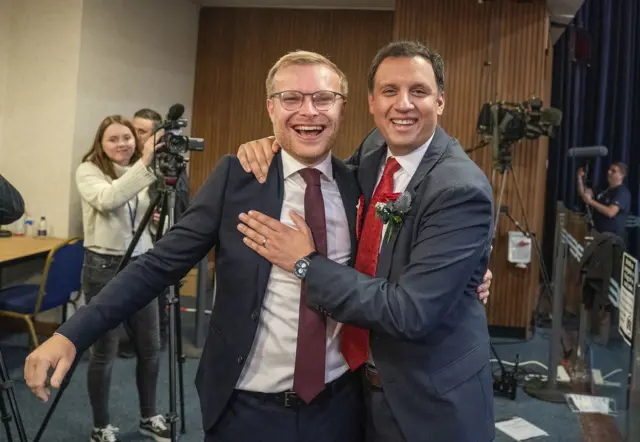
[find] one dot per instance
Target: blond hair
(305, 58)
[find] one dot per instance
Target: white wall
(65, 65)
(133, 54)
(42, 56)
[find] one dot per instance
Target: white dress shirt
(408, 165)
(271, 362)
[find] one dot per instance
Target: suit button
(240, 359)
(254, 315)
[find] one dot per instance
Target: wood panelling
(492, 51)
(236, 49)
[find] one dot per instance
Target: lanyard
(132, 215)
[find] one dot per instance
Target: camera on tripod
(508, 123)
(171, 157)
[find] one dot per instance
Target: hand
(149, 148)
(483, 289)
(581, 173)
(278, 243)
(56, 352)
(587, 196)
(255, 156)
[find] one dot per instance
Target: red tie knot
(391, 167)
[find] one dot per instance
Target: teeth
(403, 122)
(307, 127)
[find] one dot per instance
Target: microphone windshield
(175, 112)
(593, 151)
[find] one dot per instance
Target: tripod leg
(6, 384)
(503, 184)
(63, 387)
(181, 360)
(6, 418)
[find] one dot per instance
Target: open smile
(309, 131)
(403, 124)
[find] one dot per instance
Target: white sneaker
(155, 427)
(106, 434)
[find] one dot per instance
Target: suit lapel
(350, 193)
(368, 172)
(429, 160)
(269, 202)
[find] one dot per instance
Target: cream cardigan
(106, 218)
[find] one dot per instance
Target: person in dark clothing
(612, 205)
(11, 202)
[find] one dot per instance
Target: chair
(61, 277)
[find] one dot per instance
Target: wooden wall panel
(492, 51)
(236, 48)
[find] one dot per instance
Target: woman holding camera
(113, 182)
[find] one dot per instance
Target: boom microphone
(592, 151)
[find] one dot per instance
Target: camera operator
(113, 181)
(11, 202)
(611, 205)
(146, 121)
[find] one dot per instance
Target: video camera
(175, 143)
(170, 157)
(508, 123)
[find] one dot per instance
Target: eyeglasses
(322, 100)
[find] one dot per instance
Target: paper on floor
(582, 403)
(520, 429)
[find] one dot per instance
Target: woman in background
(113, 182)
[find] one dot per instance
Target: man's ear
(270, 108)
(370, 100)
(440, 102)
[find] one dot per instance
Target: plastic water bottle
(19, 227)
(28, 226)
(42, 227)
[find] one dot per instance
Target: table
(16, 248)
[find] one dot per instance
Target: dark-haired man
(411, 298)
(612, 204)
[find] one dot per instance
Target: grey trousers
(97, 271)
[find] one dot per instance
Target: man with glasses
(271, 366)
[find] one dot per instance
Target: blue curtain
(600, 104)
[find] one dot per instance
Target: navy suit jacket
(241, 274)
(429, 336)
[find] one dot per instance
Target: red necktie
(355, 341)
(311, 347)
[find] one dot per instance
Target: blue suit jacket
(429, 336)
(241, 274)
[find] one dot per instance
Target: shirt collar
(290, 165)
(411, 161)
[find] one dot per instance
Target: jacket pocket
(459, 370)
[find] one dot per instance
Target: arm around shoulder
(452, 239)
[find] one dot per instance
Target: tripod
(167, 195)
(508, 380)
(7, 385)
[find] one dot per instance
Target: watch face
(301, 268)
